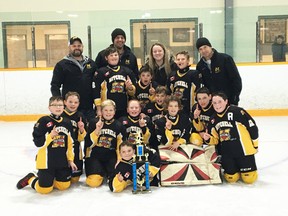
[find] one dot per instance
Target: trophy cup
(140, 167)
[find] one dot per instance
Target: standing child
(184, 82)
(123, 170)
(237, 132)
(72, 101)
(105, 134)
(114, 82)
(174, 128)
(145, 87)
(54, 161)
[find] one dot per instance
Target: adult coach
(75, 73)
(219, 71)
(127, 58)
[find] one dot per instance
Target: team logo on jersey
(117, 87)
(225, 135)
(49, 124)
(172, 78)
(88, 66)
(149, 111)
(59, 141)
(105, 142)
(179, 92)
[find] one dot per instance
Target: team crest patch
(225, 135)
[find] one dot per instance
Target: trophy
(140, 167)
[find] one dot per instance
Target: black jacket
(68, 75)
(223, 76)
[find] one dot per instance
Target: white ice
(268, 196)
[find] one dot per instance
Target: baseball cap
(73, 39)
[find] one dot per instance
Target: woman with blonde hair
(161, 62)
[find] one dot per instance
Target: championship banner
(189, 165)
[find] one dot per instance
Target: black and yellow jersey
(132, 127)
(200, 124)
(53, 152)
(142, 93)
(180, 130)
(236, 130)
(124, 167)
(109, 83)
(154, 111)
(184, 84)
(74, 117)
(106, 144)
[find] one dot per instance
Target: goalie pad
(189, 165)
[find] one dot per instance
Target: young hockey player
(134, 122)
(145, 87)
(104, 136)
(237, 132)
(123, 171)
(184, 82)
(72, 101)
(115, 82)
(175, 127)
(54, 161)
(200, 115)
(155, 110)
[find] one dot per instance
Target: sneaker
(24, 181)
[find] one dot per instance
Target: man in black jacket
(75, 73)
(127, 58)
(219, 71)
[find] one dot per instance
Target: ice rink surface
(267, 197)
